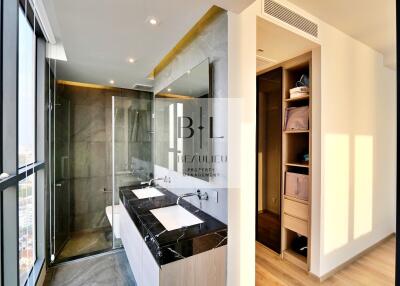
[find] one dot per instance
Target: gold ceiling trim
(172, 95)
(88, 85)
(208, 17)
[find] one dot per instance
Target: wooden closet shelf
(296, 98)
(301, 165)
(295, 131)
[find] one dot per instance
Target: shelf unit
(295, 199)
(300, 165)
(295, 131)
(296, 213)
(296, 99)
(295, 258)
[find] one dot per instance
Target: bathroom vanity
(160, 250)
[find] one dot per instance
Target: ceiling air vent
(286, 15)
(143, 87)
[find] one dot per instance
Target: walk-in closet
(284, 128)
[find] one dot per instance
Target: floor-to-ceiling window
(26, 144)
(26, 215)
(22, 156)
(26, 91)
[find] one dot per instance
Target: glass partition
(132, 144)
(100, 139)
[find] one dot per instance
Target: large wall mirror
(182, 124)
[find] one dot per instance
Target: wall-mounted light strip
(177, 96)
(189, 37)
(88, 85)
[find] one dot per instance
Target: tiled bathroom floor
(110, 269)
(86, 242)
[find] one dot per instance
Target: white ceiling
(372, 22)
(99, 36)
(236, 6)
(273, 40)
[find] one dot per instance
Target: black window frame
(9, 224)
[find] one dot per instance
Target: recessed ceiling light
(131, 60)
(169, 89)
(153, 21)
(188, 72)
(112, 81)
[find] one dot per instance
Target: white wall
(358, 147)
(355, 145)
(242, 147)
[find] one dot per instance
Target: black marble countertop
(168, 246)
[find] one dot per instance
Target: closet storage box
(296, 118)
(297, 186)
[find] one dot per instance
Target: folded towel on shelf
(298, 94)
(299, 89)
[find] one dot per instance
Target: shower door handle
(105, 191)
(58, 185)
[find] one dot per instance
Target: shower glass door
(100, 139)
(59, 168)
(80, 167)
(61, 174)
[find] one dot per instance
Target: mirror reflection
(182, 124)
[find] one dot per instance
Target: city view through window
(26, 145)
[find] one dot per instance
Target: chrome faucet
(151, 181)
(201, 196)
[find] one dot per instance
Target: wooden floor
(377, 267)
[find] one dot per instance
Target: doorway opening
(284, 128)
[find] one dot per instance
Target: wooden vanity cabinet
(206, 268)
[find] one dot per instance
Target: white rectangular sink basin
(147, 193)
(175, 217)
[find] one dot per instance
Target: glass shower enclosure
(132, 148)
(100, 139)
